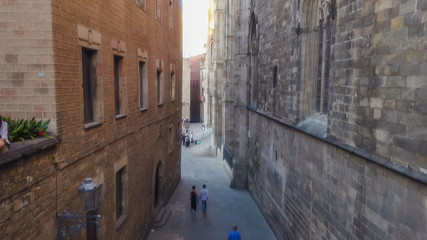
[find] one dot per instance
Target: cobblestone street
(226, 206)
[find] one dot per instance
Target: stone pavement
(226, 206)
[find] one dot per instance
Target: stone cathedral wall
(358, 171)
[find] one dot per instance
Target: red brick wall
(27, 198)
(134, 139)
(139, 141)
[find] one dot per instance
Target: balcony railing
(219, 143)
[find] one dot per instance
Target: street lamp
(89, 193)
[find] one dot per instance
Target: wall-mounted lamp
(69, 224)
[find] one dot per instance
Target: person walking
(194, 196)
(204, 194)
(183, 139)
(234, 234)
(187, 141)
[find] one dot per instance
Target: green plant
(22, 129)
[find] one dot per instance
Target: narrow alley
(225, 207)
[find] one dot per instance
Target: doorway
(157, 184)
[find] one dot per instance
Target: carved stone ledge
(18, 150)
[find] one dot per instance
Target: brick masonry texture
(27, 198)
(140, 141)
(27, 86)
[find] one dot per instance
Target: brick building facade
(327, 126)
(108, 75)
(196, 88)
(186, 93)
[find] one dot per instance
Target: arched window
(253, 64)
(315, 30)
(323, 76)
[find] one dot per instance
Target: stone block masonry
(314, 190)
(333, 116)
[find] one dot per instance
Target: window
(159, 82)
(274, 76)
(87, 64)
(90, 42)
(173, 81)
(120, 193)
(158, 9)
(118, 85)
(143, 85)
(141, 4)
(171, 13)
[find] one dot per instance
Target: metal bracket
(69, 224)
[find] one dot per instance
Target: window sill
(120, 116)
(143, 109)
(159, 104)
(91, 125)
(18, 150)
(120, 221)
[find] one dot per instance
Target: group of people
(194, 199)
(203, 196)
(187, 139)
(4, 141)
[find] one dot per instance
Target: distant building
(108, 75)
(186, 88)
(196, 88)
(318, 108)
(192, 102)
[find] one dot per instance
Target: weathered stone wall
(355, 170)
(312, 187)
(27, 86)
(380, 88)
(309, 189)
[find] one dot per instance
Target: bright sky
(195, 21)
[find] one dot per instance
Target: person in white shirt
(204, 194)
(4, 141)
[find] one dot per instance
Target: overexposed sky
(195, 21)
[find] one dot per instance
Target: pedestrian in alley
(194, 197)
(187, 141)
(204, 194)
(183, 139)
(234, 234)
